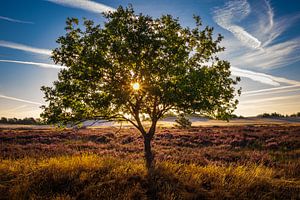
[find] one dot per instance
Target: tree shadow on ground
(162, 184)
(159, 184)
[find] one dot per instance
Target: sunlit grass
(90, 176)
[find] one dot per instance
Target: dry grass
(94, 177)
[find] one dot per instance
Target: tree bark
(148, 152)
(149, 159)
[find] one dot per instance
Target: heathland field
(208, 162)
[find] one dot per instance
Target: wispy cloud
(258, 76)
(260, 36)
(43, 65)
(255, 76)
(266, 27)
(270, 99)
(262, 32)
(275, 56)
(25, 48)
(256, 46)
(262, 77)
(275, 90)
(228, 16)
(15, 20)
(270, 14)
(20, 100)
(84, 5)
(293, 85)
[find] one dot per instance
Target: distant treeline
(26, 121)
(268, 115)
(275, 114)
(234, 116)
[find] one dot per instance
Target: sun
(136, 86)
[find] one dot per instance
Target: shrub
(183, 122)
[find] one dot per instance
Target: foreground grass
(89, 176)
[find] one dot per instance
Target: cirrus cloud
(26, 48)
(85, 5)
(38, 64)
(15, 20)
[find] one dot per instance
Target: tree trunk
(149, 159)
(148, 153)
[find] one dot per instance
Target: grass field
(259, 161)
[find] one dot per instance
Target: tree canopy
(137, 66)
(174, 68)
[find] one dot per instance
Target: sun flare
(136, 86)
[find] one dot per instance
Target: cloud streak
(270, 14)
(271, 57)
(258, 47)
(262, 77)
(293, 88)
(88, 5)
(20, 100)
(275, 90)
(266, 28)
(266, 79)
(255, 76)
(15, 20)
(270, 99)
(42, 65)
(228, 16)
(25, 48)
(260, 37)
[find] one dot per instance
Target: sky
(261, 37)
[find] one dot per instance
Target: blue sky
(262, 40)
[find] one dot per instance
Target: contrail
(85, 5)
(21, 100)
(262, 77)
(256, 76)
(43, 65)
(26, 48)
(270, 99)
(272, 90)
(15, 20)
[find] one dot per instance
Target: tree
(3, 120)
(137, 66)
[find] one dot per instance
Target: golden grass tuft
(90, 176)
